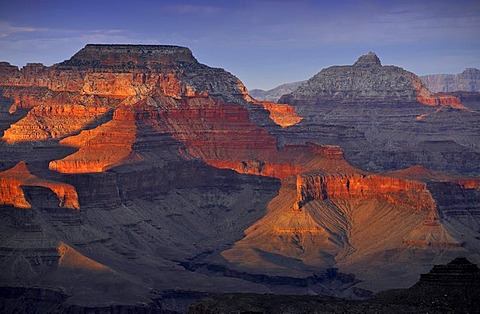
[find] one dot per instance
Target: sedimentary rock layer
(12, 181)
(467, 81)
(186, 181)
(398, 122)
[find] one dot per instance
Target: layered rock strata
(367, 81)
(399, 123)
(175, 165)
(467, 81)
(12, 181)
(409, 193)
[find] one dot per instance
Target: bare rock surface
(386, 118)
(467, 81)
(150, 177)
(274, 94)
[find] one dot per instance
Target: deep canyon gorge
(134, 175)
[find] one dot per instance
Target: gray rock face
(368, 60)
(274, 94)
(163, 200)
(110, 55)
(467, 81)
(367, 81)
(385, 107)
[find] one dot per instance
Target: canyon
(133, 175)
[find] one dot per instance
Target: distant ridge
(467, 81)
(450, 288)
(274, 94)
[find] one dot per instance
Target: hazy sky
(264, 43)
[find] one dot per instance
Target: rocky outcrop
(408, 193)
(176, 165)
(282, 114)
(101, 148)
(98, 55)
(459, 272)
(53, 115)
(393, 114)
(12, 181)
(52, 122)
(467, 81)
(128, 70)
(105, 74)
(445, 188)
(367, 81)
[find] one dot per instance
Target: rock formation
(447, 288)
(12, 181)
(185, 182)
(467, 81)
(459, 272)
(399, 123)
(274, 94)
(367, 81)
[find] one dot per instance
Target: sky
(263, 43)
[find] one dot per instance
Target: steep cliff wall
(12, 181)
(467, 81)
(398, 121)
(175, 165)
(407, 193)
(366, 81)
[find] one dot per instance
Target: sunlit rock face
(185, 182)
(414, 194)
(14, 179)
(282, 114)
(398, 122)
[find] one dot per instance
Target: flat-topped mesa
(127, 55)
(121, 71)
(467, 81)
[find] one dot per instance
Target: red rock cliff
(12, 180)
(413, 194)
